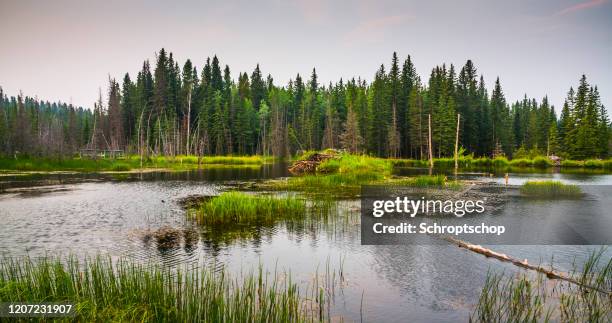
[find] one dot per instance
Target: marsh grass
(435, 181)
(552, 189)
(127, 163)
(237, 208)
(105, 291)
(470, 162)
(525, 298)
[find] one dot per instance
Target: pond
(101, 213)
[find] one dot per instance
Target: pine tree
(351, 139)
(258, 88)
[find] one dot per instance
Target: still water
(91, 214)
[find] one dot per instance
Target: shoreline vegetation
(129, 163)
(122, 290)
(183, 162)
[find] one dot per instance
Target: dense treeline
(38, 128)
(169, 110)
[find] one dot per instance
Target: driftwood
(309, 165)
(551, 274)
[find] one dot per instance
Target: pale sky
(65, 50)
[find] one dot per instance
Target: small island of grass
(237, 208)
(552, 189)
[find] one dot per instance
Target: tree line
(169, 110)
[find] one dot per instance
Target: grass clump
(572, 163)
(237, 208)
(104, 291)
(424, 181)
(554, 189)
(121, 167)
(521, 162)
(541, 162)
(500, 162)
(346, 172)
(594, 163)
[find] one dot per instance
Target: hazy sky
(65, 50)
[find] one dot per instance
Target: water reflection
(88, 214)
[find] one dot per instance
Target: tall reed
(524, 298)
(105, 291)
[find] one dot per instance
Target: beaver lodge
(309, 165)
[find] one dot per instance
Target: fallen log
(551, 274)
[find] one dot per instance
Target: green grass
(346, 172)
(594, 163)
(344, 176)
(541, 162)
(525, 299)
(237, 208)
(469, 162)
(439, 181)
(126, 164)
(103, 291)
(550, 189)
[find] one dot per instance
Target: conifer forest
(172, 109)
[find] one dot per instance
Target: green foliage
(523, 162)
(553, 189)
(572, 163)
(541, 162)
(103, 291)
(594, 163)
(236, 208)
(128, 163)
(500, 162)
(120, 167)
